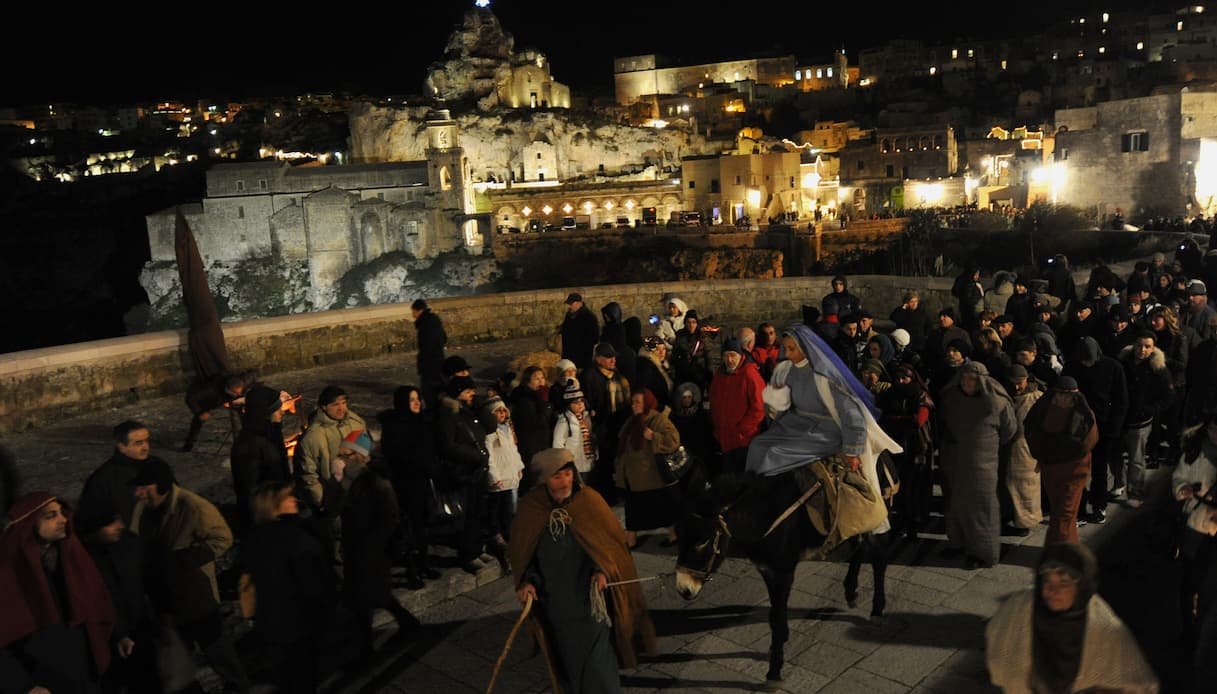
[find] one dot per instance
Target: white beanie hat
(901, 337)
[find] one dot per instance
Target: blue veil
(826, 363)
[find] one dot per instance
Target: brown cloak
(600, 534)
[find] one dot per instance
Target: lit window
(1003, 65)
(1055, 55)
(830, 72)
(1140, 45)
(1106, 17)
(819, 73)
(971, 53)
(798, 74)
(954, 54)
(933, 71)
(1102, 50)
(1179, 25)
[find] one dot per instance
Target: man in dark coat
(259, 453)
(1100, 379)
(840, 299)
(1060, 282)
(580, 331)
(431, 342)
(910, 316)
(461, 445)
(1150, 390)
(108, 486)
(608, 398)
(1021, 305)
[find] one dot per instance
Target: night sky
(368, 48)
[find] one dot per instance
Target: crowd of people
(1029, 401)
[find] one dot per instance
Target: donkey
(762, 518)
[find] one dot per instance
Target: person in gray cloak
(976, 420)
(821, 409)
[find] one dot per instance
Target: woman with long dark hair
(407, 442)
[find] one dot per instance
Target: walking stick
(510, 637)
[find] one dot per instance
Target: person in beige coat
(1022, 477)
(183, 535)
(649, 502)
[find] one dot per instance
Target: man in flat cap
(565, 539)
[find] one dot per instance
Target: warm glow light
(587, 207)
(527, 211)
(1140, 45)
(547, 210)
(567, 208)
(609, 205)
(933, 70)
(754, 197)
(629, 204)
(811, 180)
(1206, 174)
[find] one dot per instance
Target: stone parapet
(43, 385)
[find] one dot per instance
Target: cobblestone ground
(931, 640)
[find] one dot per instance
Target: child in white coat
(504, 474)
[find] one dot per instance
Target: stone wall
(47, 384)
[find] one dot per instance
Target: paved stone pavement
(931, 640)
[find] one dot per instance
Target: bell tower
(451, 185)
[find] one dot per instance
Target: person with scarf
(574, 429)
(649, 501)
(977, 420)
(822, 411)
(1061, 432)
(570, 547)
(1061, 637)
(57, 613)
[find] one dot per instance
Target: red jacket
(736, 406)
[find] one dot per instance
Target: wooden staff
(507, 646)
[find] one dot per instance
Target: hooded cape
(600, 534)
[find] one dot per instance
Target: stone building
(334, 218)
(729, 187)
(874, 172)
(1148, 156)
(638, 77)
